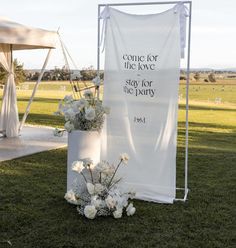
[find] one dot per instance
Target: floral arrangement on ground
(97, 191)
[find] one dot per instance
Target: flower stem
(113, 184)
(83, 176)
(114, 173)
(100, 177)
(91, 173)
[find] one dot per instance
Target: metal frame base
(184, 199)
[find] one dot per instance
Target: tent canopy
(23, 37)
(15, 36)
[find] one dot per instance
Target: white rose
(70, 197)
(102, 166)
(65, 108)
(95, 201)
(90, 114)
(90, 212)
(118, 213)
(124, 157)
(87, 162)
(69, 126)
(96, 81)
(57, 132)
(110, 201)
(69, 114)
(78, 105)
(68, 99)
(105, 168)
(122, 201)
(58, 113)
(75, 107)
(98, 203)
(98, 188)
(77, 166)
(91, 188)
(88, 94)
(130, 210)
(109, 171)
(132, 193)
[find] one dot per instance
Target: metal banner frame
(185, 189)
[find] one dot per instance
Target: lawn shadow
(44, 119)
(39, 99)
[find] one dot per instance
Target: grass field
(50, 93)
(34, 214)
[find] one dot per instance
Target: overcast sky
(213, 29)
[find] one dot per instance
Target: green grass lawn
(35, 215)
(49, 94)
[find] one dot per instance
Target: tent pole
(68, 65)
(34, 90)
(98, 51)
(187, 103)
(11, 55)
(143, 3)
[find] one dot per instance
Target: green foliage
(33, 76)
(34, 213)
(88, 73)
(212, 77)
(182, 77)
(63, 74)
(2, 76)
(19, 72)
(58, 74)
(197, 76)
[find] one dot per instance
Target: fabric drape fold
(141, 80)
(179, 8)
(9, 119)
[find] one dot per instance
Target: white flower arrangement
(86, 114)
(100, 194)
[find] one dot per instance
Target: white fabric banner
(142, 62)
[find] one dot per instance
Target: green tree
(60, 74)
(88, 73)
(197, 76)
(212, 77)
(20, 74)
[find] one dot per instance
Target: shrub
(20, 75)
(211, 77)
(197, 76)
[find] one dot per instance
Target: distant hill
(225, 70)
(207, 70)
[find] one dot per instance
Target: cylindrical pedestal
(81, 145)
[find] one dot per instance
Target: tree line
(56, 74)
(20, 74)
(63, 74)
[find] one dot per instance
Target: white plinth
(81, 145)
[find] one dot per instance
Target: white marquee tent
(15, 36)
